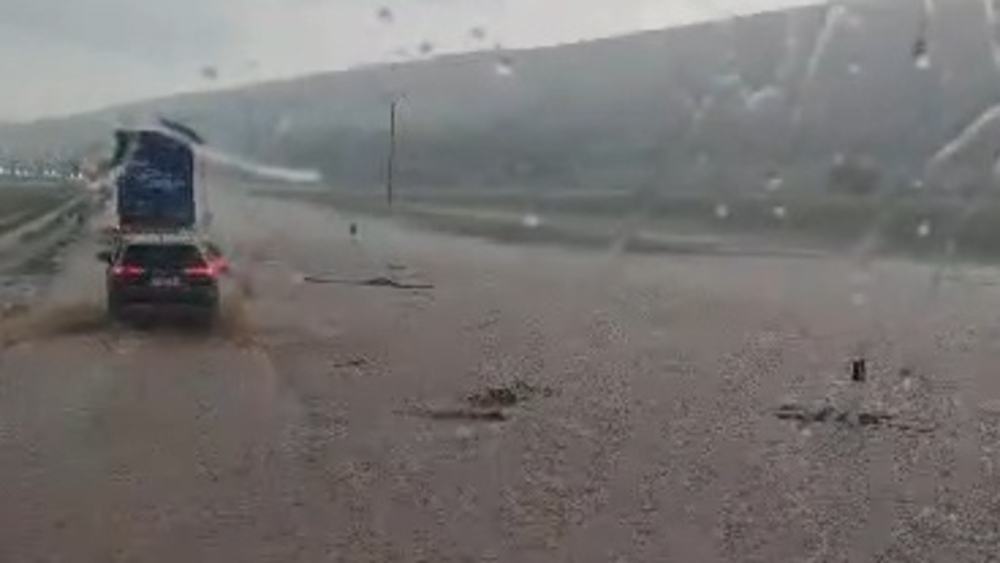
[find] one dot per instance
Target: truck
(155, 184)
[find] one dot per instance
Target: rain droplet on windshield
(854, 69)
(385, 15)
(478, 33)
(426, 48)
(780, 212)
(209, 72)
(859, 299)
(921, 50)
(920, 47)
(774, 183)
(531, 221)
(722, 211)
(924, 229)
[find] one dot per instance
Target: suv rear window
(165, 256)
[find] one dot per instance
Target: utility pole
(391, 160)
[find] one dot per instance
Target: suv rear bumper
(188, 296)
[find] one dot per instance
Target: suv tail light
(126, 271)
(205, 271)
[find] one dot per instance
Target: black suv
(162, 270)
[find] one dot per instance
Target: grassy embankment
(20, 204)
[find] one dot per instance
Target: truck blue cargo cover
(156, 185)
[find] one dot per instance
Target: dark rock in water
(495, 397)
(859, 370)
(508, 395)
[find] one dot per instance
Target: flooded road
(502, 403)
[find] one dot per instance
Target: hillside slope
(718, 105)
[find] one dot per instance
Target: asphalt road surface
(530, 405)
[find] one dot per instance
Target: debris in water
(382, 281)
(378, 281)
(458, 414)
(352, 363)
(508, 395)
(802, 414)
(827, 414)
(494, 397)
(486, 406)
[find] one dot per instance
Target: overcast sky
(63, 56)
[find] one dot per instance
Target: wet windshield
(500, 280)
